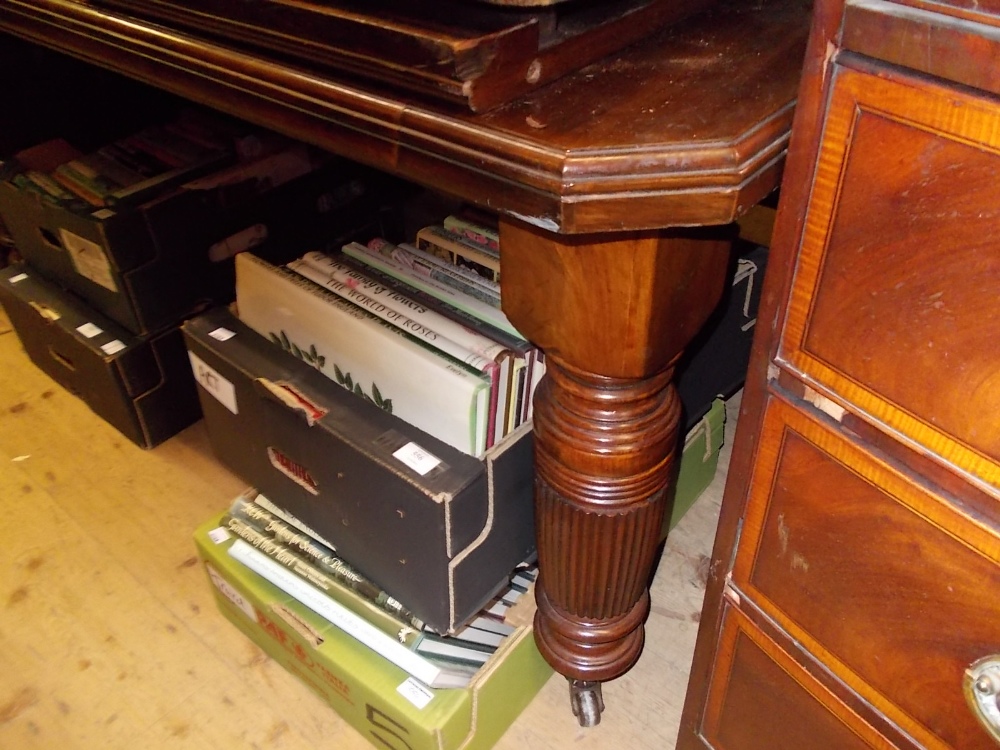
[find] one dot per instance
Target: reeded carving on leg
(604, 447)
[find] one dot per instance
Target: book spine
(515, 342)
(324, 558)
(131, 160)
(103, 166)
(460, 251)
(464, 302)
(392, 316)
(468, 281)
(432, 675)
(367, 284)
(475, 232)
(41, 183)
(496, 372)
(156, 184)
(344, 595)
(365, 354)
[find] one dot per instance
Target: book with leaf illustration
(372, 358)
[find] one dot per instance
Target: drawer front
(956, 40)
(761, 698)
(880, 579)
(894, 300)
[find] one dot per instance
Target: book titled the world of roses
(365, 354)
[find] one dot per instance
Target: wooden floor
(109, 637)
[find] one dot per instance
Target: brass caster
(587, 702)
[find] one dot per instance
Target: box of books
(141, 385)
(377, 683)
(146, 227)
(436, 527)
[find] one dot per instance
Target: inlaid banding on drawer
(756, 685)
(876, 576)
(894, 303)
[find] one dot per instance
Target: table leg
(613, 313)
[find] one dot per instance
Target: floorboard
(109, 637)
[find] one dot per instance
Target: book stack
(122, 242)
(295, 559)
(377, 672)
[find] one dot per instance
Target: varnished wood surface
(109, 636)
(470, 54)
(864, 598)
(688, 127)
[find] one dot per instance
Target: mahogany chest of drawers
(855, 584)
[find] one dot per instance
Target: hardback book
(464, 302)
(474, 226)
(493, 359)
(427, 264)
(460, 251)
(318, 562)
(529, 361)
(367, 355)
(434, 674)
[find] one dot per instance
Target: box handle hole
(64, 361)
(49, 239)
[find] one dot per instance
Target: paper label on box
(219, 535)
(89, 330)
(415, 693)
(112, 347)
(231, 593)
(222, 334)
(417, 458)
(17, 278)
(88, 259)
(209, 379)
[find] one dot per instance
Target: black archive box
(149, 264)
(443, 542)
(141, 385)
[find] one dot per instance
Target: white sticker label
(112, 347)
(89, 259)
(103, 213)
(222, 334)
(415, 693)
(89, 330)
(219, 535)
(417, 458)
(17, 278)
(214, 383)
(231, 593)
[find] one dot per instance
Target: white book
(390, 315)
(464, 302)
(372, 358)
(401, 303)
(464, 274)
(431, 674)
(492, 359)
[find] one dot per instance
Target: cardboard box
(715, 363)
(698, 464)
(150, 265)
(374, 696)
(142, 385)
(442, 542)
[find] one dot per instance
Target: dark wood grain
(862, 506)
(686, 128)
(470, 54)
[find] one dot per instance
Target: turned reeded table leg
(613, 313)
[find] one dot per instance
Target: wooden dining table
(617, 187)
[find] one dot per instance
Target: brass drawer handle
(981, 685)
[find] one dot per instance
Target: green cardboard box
(699, 461)
(374, 696)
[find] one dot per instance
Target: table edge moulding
(616, 187)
